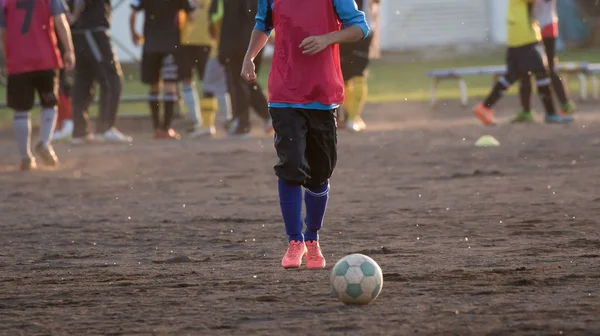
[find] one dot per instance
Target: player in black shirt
(90, 24)
(161, 39)
(238, 23)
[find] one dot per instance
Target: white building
(405, 24)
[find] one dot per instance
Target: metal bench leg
(433, 93)
(594, 82)
(583, 92)
(462, 86)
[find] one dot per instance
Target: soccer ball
(356, 279)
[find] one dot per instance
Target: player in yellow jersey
(198, 52)
(524, 56)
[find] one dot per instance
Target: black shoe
(46, 152)
(28, 164)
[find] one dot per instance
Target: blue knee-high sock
(290, 200)
(316, 203)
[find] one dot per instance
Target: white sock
(192, 101)
(22, 128)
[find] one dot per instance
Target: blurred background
(415, 37)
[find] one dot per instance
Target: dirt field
(186, 238)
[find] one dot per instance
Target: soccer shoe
(46, 152)
(361, 123)
(204, 132)
(269, 126)
(293, 257)
(568, 108)
(484, 114)
(87, 139)
(522, 117)
(113, 135)
(353, 126)
(65, 133)
(314, 257)
(28, 164)
(167, 135)
(558, 119)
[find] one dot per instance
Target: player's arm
(58, 9)
(354, 28)
(262, 29)
(136, 7)
(260, 35)
(215, 16)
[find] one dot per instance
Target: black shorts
(21, 89)
(306, 144)
(524, 60)
(354, 58)
(157, 66)
(192, 57)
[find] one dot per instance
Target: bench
(583, 71)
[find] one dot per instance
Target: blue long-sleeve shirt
(347, 12)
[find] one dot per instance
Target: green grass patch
(395, 77)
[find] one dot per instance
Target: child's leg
(321, 155)
(20, 94)
(151, 67)
(292, 171)
(525, 93)
(47, 86)
(208, 110)
(557, 83)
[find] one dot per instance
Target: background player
(545, 11)
(524, 56)
(237, 25)
(214, 84)
(196, 46)
(305, 89)
(354, 59)
(25, 27)
(161, 39)
(97, 62)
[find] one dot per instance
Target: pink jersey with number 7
(31, 43)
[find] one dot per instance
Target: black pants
(525, 89)
(243, 94)
(96, 62)
(306, 144)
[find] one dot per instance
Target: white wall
(497, 10)
(410, 24)
(120, 32)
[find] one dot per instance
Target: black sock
(559, 88)
(525, 93)
(169, 104)
(154, 103)
(495, 95)
(546, 97)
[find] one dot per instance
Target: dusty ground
(186, 238)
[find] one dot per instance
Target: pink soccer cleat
(314, 257)
(293, 257)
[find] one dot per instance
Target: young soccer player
(32, 60)
(354, 59)
(236, 27)
(545, 11)
(305, 89)
(524, 56)
(192, 56)
(97, 63)
(161, 40)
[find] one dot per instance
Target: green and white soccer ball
(356, 279)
